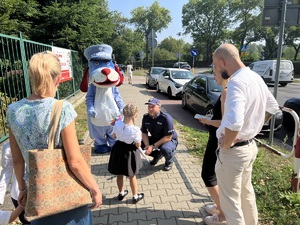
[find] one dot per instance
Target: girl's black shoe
(140, 197)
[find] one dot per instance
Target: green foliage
(74, 25)
(4, 102)
(153, 17)
(206, 21)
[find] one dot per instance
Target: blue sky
(174, 6)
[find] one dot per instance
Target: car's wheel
(183, 101)
(283, 84)
(209, 110)
(169, 93)
(157, 88)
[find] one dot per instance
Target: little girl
(125, 159)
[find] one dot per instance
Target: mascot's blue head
(101, 71)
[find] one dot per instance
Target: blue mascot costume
(103, 100)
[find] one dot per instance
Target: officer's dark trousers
(167, 150)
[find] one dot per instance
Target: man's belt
(242, 143)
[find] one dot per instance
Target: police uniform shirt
(159, 126)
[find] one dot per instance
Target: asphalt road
(186, 117)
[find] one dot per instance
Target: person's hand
(203, 121)
(97, 200)
(23, 200)
(22, 197)
(148, 149)
(92, 112)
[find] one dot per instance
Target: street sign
(178, 54)
(272, 13)
(152, 43)
(142, 54)
(194, 52)
(244, 48)
(152, 34)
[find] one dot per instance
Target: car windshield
(213, 86)
(156, 70)
(181, 75)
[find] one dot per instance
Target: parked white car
(171, 81)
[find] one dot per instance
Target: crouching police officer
(163, 140)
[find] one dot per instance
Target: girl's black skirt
(124, 159)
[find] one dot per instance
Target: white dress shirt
(247, 100)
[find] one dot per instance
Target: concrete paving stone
(153, 199)
(108, 211)
(133, 216)
(162, 206)
(173, 214)
(160, 214)
(100, 220)
(192, 213)
(145, 207)
(169, 198)
(158, 181)
(187, 221)
(177, 186)
(135, 222)
(160, 192)
(172, 191)
(169, 180)
(149, 187)
(171, 221)
(148, 222)
(195, 205)
(129, 208)
(184, 198)
(120, 217)
(179, 205)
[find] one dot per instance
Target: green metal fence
(15, 54)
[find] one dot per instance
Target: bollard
(296, 174)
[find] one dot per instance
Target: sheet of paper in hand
(199, 116)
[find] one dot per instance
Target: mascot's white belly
(105, 107)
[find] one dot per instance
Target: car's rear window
(157, 71)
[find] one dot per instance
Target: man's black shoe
(168, 166)
(156, 159)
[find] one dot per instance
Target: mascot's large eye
(96, 63)
(108, 63)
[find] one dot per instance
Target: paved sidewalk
(175, 197)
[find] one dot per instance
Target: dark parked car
(201, 93)
(152, 75)
(122, 67)
(182, 65)
(288, 120)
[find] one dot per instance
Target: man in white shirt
(247, 102)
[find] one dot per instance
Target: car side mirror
(200, 88)
(167, 77)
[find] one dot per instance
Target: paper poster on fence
(64, 56)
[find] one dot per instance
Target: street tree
(74, 25)
(16, 16)
(292, 39)
(206, 21)
(247, 16)
(154, 17)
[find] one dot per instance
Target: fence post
(24, 65)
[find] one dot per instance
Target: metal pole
(152, 40)
(279, 52)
